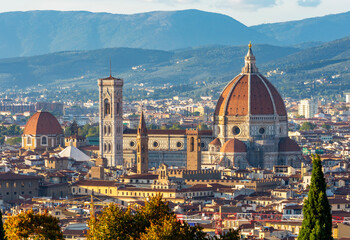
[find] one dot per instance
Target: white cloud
(309, 3)
(245, 4)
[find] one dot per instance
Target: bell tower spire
(142, 146)
(250, 66)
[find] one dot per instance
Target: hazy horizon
(263, 11)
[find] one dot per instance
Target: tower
(193, 150)
(111, 119)
(142, 146)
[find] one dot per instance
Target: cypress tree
(317, 222)
(2, 231)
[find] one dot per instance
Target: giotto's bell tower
(111, 119)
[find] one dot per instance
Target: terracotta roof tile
(260, 99)
(43, 123)
(288, 145)
(215, 142)
(233, 145)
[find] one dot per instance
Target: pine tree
(2, 231)
(317, 223)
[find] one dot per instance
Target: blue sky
(249, 12)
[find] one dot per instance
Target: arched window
(29, 140)
(105, 147)
(109, 129)
(44, 140)
(105, 130)
(107, 107)
(192, 144)
(109, 147)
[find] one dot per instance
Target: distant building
(13, 185)
(347, 97)
(42, 132)
(307, 108)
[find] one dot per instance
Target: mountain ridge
(322, 28)
(39, 32)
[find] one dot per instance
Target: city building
(307, 108)
(250, 124)
(42, 132)
(111, 119)
(13, 185)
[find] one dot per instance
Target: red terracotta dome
(233, 145)
(43, 123)
(288, 145)
(215, 142)
(250, 93)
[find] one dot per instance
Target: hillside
(323, 69)
(324, 29)
(40, 32)
(205, 69)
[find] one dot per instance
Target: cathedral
(250, 126)
(250, 129)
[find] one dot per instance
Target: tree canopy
(307, 126)
(317, 222)
(12, 130)
(154, 221)
(29, 225)
(2, 231)
(85, 131)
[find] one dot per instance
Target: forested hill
(40, 32)
(212, 65)
(317, 29)
(188, 72)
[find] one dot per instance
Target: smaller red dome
(215, 142)
(43, 123)
(288, 145)
(233, 145)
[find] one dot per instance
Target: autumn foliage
(154, 221)
(34, 226)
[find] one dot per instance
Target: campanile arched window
(107, 107)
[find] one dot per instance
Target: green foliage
(307, 126)
(326, 126)
(67, 132)
(14, 141)
(2, 231)
(28, 225)
(203, 126)
(88, 131)
(154, 221)
(153, 126)
(176, 126)
(317, 222)
(12, 130)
